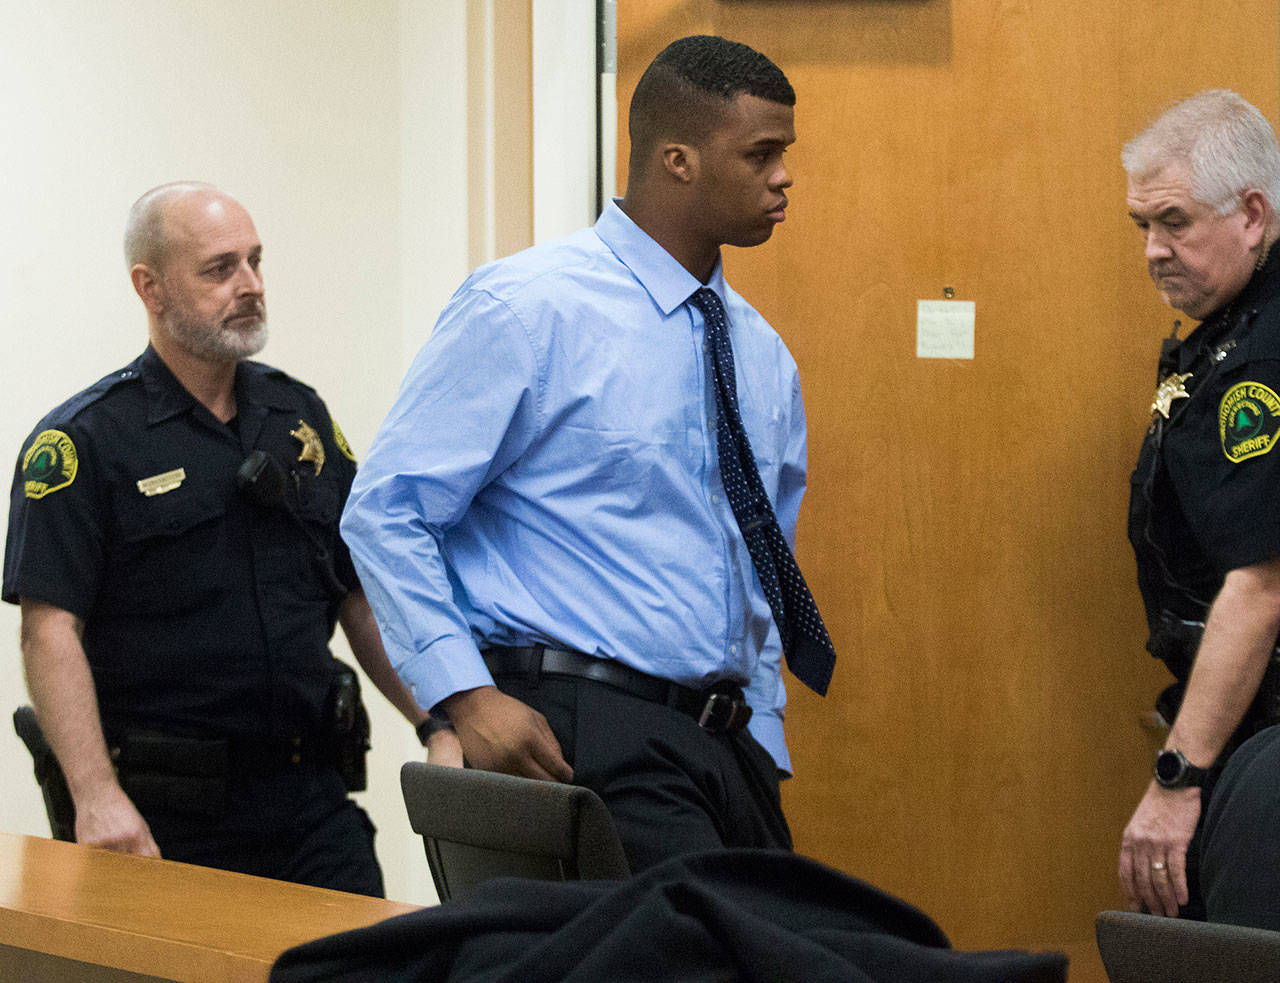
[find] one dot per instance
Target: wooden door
(964, 531)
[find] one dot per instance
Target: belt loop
(535, 666)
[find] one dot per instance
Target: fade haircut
(1228, 146)
(146, 239)
(684, 91)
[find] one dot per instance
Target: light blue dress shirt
(548, 474)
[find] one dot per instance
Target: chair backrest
(477, 825)
(53, 786)
(1150, 949)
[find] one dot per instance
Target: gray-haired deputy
(1203, 182)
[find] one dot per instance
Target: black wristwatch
(1173, 770)
(432, 725)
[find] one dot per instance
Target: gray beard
(218, 342)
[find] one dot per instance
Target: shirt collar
(167, 397)
(1265, 280)
(665, 280)
(1262, 284)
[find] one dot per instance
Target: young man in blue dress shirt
(541, 524)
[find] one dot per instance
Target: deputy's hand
(109, 821)
(444, 748)
(1153, 852)
(499, 733)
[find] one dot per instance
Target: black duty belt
(1175, 641)
(269, 755)
(150, 752)
(721, 708)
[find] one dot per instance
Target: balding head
(150, 231)
(194, 259)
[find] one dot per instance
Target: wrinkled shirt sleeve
(465, 411)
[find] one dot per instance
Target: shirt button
(715, 499)
(733, 650)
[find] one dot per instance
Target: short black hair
(684, 88)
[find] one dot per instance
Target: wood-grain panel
(964, 529)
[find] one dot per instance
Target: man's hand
(499, 733)
(66, 705)
(1239, 635)
(1153, 852)
(110, 821)
(444, 748)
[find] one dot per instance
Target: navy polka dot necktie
(805, 642)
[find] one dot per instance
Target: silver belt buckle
(722, 712)
(709, 708)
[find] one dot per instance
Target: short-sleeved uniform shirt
(205, 613)
(1205, 496)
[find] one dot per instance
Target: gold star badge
(1173, 387)
(312, 448)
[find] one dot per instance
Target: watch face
(1169, 766)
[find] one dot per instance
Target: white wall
(342, 127)
(301, 109)
(564, 116)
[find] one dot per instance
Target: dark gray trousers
(671, 787)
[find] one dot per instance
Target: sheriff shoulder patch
(1248, 421)
(340, 439)
(49, 464)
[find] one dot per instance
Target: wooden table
(69, 912)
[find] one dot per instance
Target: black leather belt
(721, 708)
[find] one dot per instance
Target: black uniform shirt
(206, 614)
(1205, 492)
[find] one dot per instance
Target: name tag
(158, 484)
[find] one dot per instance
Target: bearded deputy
(173, 542)
(1204, 522)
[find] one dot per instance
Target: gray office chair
(1150, 949)
(53, 786)
(477, 825)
